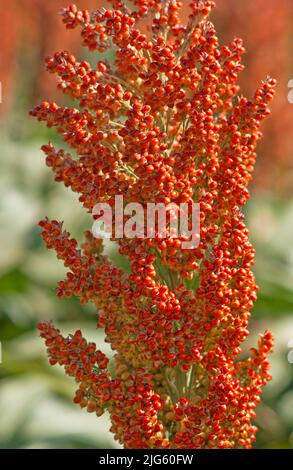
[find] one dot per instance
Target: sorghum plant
(164, 124)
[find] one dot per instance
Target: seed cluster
(164, 124)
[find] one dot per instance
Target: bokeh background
(35, 400)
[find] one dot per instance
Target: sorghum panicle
(165, 124)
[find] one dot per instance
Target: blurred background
(35, 400)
